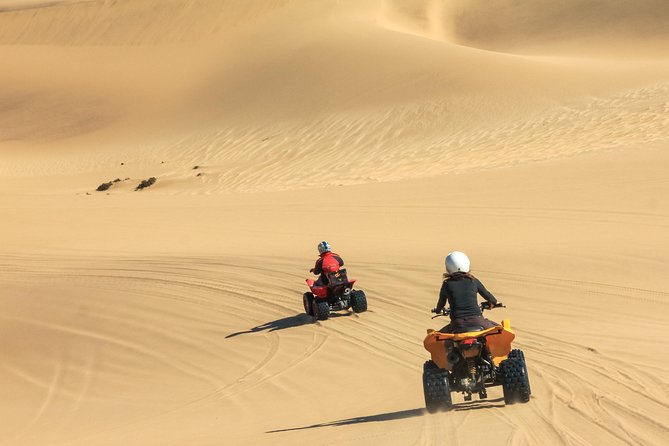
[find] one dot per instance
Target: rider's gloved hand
(434, 310)
(311, 270)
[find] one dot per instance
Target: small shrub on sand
(146, 183)
(104, 186)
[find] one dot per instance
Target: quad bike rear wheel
(358, 301)
(308, 301)
(436, 388)
(321, 309)
(516, 353)
(515, 382)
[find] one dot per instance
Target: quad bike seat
(338, 277)
(468, 329)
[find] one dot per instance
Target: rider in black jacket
(460, 290)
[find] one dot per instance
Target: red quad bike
(470, 362)
(337, 295)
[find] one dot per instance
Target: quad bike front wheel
(515, 382)
(358, 301)
(308, 301)
(321, 309)
(436, 388)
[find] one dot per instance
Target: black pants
(462, 324)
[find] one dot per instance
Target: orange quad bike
(472, 360)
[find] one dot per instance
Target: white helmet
(457, 261)
(324, 247)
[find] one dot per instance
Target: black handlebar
(484, 306)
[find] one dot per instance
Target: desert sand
(532, 135)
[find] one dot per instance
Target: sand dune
(539, 27)
(532, 135)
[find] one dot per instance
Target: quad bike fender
(320, 292)
(435, 344)
(499, 344)
(498, 340)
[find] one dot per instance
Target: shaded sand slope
(594, 27)
(533, 138)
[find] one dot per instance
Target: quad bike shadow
(389, 416)
(279, 324)
(392, 416)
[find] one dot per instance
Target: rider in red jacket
(328, 262)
